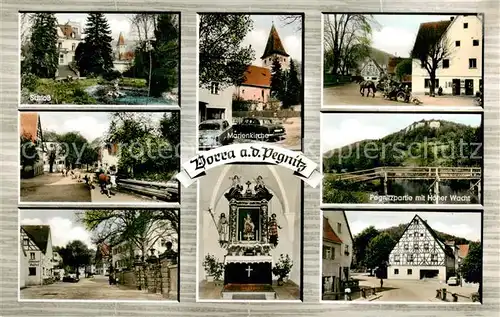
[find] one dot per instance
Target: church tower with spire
(121, 47)
(274, 49)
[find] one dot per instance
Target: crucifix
(249, 269)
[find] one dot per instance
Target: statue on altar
(273, 230)
(249, 228)
(223, 228)
(236, 187)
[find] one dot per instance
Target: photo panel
(88, 58)
(402, 158)
(99, 157)
(249, 234)
(106, 254)
(403, 59)
(250, 84)
(402, 256)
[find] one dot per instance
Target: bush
(29, 81)
(112, 75)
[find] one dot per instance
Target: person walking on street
(381, 283)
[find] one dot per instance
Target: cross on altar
(249, 269)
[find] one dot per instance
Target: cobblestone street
(414, 290)
(348, 94)
(87, 288)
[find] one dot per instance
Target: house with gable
(37, 245)
(69, 35)
(31, 129)
(337, 251)
(460, 72)
(419, 254)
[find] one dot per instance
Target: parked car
(261, 129)
(454, 281)
(214, 133)
(71, 278)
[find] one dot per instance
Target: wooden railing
(163, 191)
(421, 173)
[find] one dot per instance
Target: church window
(32, 255)
(262, 93)
(328, 253)
(409, 272)
(26, 241)
(396, 271)
(339, 227)
(346, 250)
(434, 257)
(32, 271)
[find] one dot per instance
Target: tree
(293, 87)
(378, 250)
(170, 128)
(95, 54)
(42, 59)
(277, 85)
(361, 242)
(472, 266)
(295, 20)
(431, 48)
(73, 146)
(75, 255)
(142, 228)
(221, 57)
(29, 152)
(165, 55)
(403, 68)
(342, 32)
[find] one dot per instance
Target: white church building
(460, 73)
(420, 254)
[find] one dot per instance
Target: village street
(57, 188)
(348, 94)
(96, 287)
(413, 290)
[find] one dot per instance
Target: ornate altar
(248, 261)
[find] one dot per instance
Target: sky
(396, 33)
(461, 224)
(339, 129)
(63, 223)
(290, 36)
(91, 125)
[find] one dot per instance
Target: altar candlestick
(240, 235)
(257, 235)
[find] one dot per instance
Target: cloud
(293, 46)
(119, 25)
(88, 126)
(459, 230)
(349, 131)
(394, 41)
(62, 230)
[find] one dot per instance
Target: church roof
(29, 125)
(274, 45)
(39, 234)
(121, 39)
(328, 233)
(257, 76)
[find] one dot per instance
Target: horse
(367, 84)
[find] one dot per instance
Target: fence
(155, 275)
(442, 294)
(163, 191)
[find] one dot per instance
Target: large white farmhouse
(337, 250)
(420, 253)
(36, 258)
(460, 73)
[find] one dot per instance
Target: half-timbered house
(37, 244)
(420, 253)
